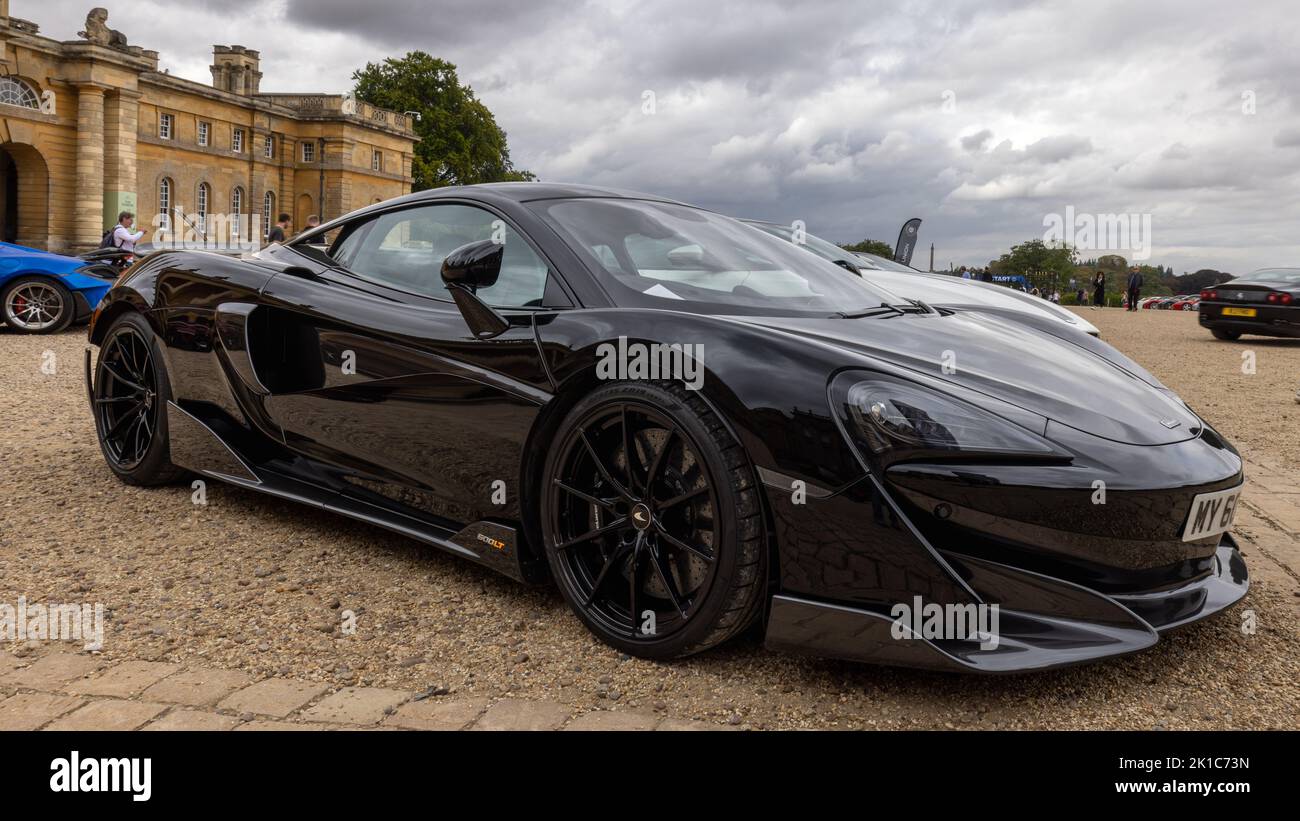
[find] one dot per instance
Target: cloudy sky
(981, 117)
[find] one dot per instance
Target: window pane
(405, 250)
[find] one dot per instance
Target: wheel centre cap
(641, 516)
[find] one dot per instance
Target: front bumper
(1043, 622)
(1074, 576)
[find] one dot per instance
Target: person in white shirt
(123, 236)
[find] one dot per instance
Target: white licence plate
(1211, 514)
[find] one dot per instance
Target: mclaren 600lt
(689, 426)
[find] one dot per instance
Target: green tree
(1042, 264)
(871, 246)
(460, 141)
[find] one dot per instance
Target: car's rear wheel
(1226, 336)
(35, 305)
(130, 404)
(652, 521)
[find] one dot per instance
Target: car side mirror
(474, 265)
(465, 270)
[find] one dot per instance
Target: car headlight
(892, 415)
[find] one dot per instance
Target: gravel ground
(253, 583)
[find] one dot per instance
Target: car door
(371, 370)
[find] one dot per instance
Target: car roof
(519, 192)
(530, 192)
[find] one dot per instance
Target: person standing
(312, 222)
(1134, 289)
(123, 237)
(1099, 290)
(280, 230)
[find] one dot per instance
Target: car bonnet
(1012, 362)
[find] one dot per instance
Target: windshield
(664, 255)
(879, 262)
(820, 247)
(1288, 275)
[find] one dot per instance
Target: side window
(405, 249)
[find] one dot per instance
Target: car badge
(1170, 423)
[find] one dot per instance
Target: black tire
(56, 307)
(130, 403)
(1226, 336)
(699, 567)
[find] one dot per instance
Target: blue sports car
(43, 293)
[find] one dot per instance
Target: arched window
(236, 210)
(165, 204)
(15, 92)
(205, 195)
(268, 213)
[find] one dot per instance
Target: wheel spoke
(600, 466)
(136, 450)
(618, 556)
(137, 370)
(657, 464)
(680, 545)
(677, 500)
(131, 413)
(600, 531)
(584, 496)
(665, 573)
(126, 356)
(629, 450)
(120, 378)
(634, 581)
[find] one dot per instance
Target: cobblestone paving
(59, 690)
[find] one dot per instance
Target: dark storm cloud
(977, 141)
(475, 24)
(981, 117)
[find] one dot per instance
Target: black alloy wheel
(130, 404)
(641, 519)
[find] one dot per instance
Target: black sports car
(1265, 303)
(689, 425)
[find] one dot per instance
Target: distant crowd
(1082, 296)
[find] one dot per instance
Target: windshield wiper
(912, 306)
(917, 306)
(880, 310)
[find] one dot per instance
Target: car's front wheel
(35, 305)
(652, 521)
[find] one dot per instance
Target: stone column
(89, 198)
(121, 126)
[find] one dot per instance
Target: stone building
(92, 127)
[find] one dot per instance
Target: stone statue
(98, 32)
